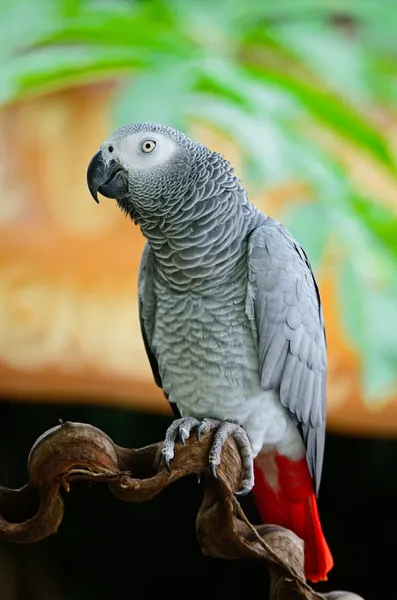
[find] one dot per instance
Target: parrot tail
(284, 495)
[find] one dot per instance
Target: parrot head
(145, 168)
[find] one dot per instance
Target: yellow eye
(148, 146)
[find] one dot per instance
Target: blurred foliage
(271, 75)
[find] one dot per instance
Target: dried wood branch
(72, 451)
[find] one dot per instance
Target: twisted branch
(72, 451)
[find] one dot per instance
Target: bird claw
(182, 436)
(200, 429)
(241, 493)
(180, 430)
(213, 470)
(166, 459)
(244, 490)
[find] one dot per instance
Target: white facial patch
(130, 150)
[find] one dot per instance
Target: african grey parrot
(231, 319)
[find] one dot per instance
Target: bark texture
(72, 451)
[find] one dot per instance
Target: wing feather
(147, 312)
(284, 307)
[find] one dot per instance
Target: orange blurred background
(68, 269)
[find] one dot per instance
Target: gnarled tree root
(73, 451)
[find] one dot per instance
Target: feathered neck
(201, 235)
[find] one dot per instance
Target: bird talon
(242, 492)
(199, 430)
(213, 470)
(166, 461)
(179, 430)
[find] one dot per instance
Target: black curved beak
(106, 177)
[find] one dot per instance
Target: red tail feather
(285, 496)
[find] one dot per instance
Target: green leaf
(325, 50)
(261, 140)
(331, 110)
(51, 68)
(139, 99)
(380, 221)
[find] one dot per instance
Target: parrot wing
(147, 307)
(284, 308)
(147, 311)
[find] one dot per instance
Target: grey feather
(146, 306)
(281, 281)
(194, 297)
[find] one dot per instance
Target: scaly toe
(241, 438)
(224, 430)
(180, 429)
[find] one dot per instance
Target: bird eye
(110, 148)
(148, 146)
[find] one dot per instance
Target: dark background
(109, 549)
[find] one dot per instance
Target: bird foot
(181, 428)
